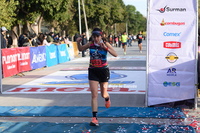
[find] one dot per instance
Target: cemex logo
(172, 84)
(171, 72)
(168, 9)
(172, 45)
(163, 23)
(166, 34)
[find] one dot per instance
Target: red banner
(10, 61)
(24, 59)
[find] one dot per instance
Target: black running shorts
(139, 42)
(99, 74)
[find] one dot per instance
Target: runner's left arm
(109, 48)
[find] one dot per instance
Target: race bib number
(96, 62)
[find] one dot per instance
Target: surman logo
(168, 9)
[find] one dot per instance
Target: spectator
(50, 37)
(10, 40)
(111, 39)
(24, 41)
(84, 41)
(66, 39)
(34, 37)
(91, 39)
(44, 42)
(3, 40)
(75, 37)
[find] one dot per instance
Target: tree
(136, 21)
(7, 14)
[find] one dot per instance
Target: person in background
(3, 39)
(129, 40)
(44, 42)
(9, 40)
(124, 41)
(111, 39)
(75, 37)
(84, 41)
(117, 41)
(50, 37)
(24, 41)
(139, 37)
(120, 40)
(34, 37)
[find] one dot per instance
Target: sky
(141, 5)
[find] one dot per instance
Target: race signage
(10, 61)
(172, 30)
(51, 55)
(38, 57)
(24, 61)
(63, 55)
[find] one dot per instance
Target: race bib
(96, 62)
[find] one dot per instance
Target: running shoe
(107, 103)
(124, 53)
(140, 51)
(94, 122)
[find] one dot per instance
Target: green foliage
(136, 21)
(7, 14)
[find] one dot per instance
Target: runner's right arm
(82, 47)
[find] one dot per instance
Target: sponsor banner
(70, 50)
(10, 61)
(38, 57)
(51, 55)
(24, 60)
(121, 82)
(172, 53)
(63, 55)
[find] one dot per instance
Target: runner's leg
(104, 93)
(94, 94)
(94, 103)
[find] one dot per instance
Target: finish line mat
(45, 127)
(60, 82)
(85, 111)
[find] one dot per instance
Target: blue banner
(63, 55)
(38, 57)
(51, 52)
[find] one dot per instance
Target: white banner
(171, 59)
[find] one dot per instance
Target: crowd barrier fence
(22, 59)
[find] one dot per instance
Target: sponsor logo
(172, 84)
(169, 9)
(172, 44)
(171, 57)
(62, 53)
(163, 23)
(171, 34)
(171, 72)
(39, 58)
(52, 55)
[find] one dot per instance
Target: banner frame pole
(147, 56)
(196, 64)
(1, 69)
